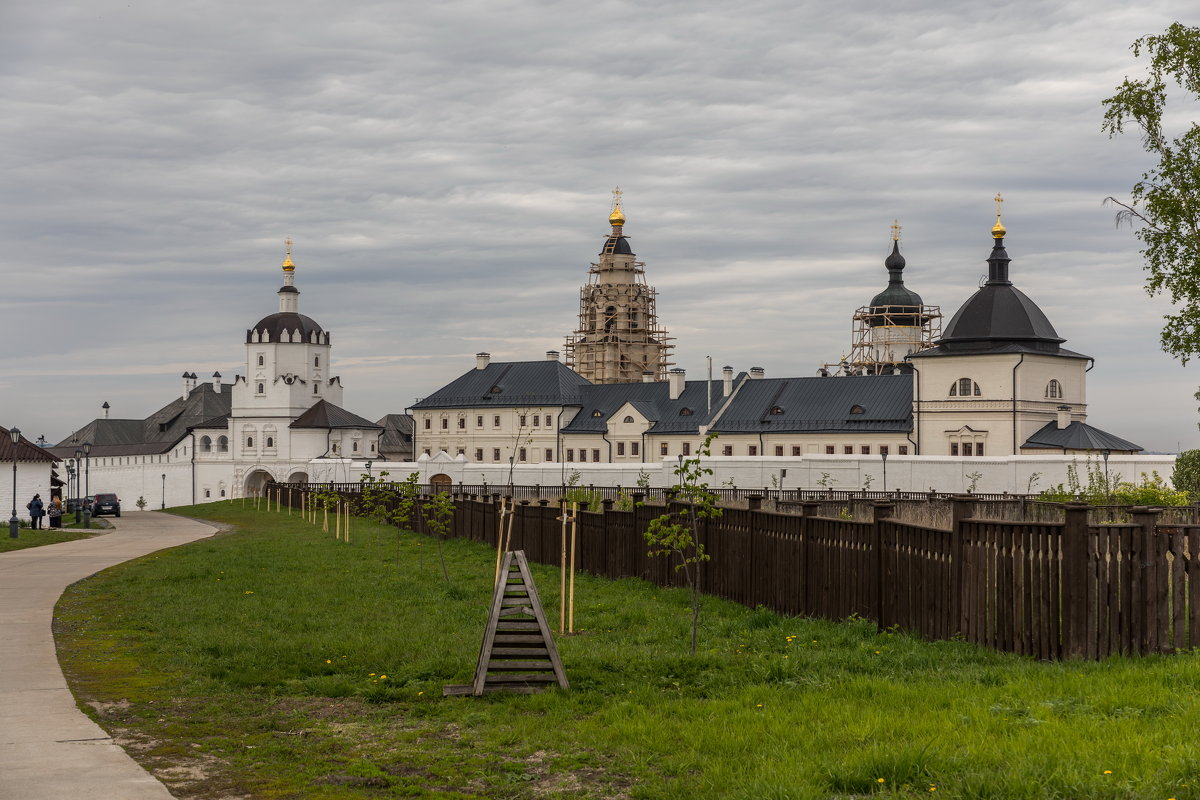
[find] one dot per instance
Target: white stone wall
(131, 477)
(908, 473)
(32, 478)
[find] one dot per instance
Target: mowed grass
(275, 662)
(28, 537)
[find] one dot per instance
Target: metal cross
(895, 230)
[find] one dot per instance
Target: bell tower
(619, 337)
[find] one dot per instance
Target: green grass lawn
(27, 537)
(275, 662)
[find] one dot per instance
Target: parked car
(106, 504)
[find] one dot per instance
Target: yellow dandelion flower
(247, 592)
(327, 661)
(933, 788)
(420, 693)
(370, 674)
(1108, 772)
(383, 677)
(880, 780)
(759, 705)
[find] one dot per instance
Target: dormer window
(965, 387)
(685, 412)
(627, 418)
(597, 413)
(495, 389)
(857, 410)
(776, 410)
(1054, 390)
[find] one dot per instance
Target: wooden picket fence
(1050, 590)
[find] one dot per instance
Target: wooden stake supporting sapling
(562, 570)
(571, 593)
(346, 524)
(500, 537)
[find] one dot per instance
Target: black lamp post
(70, 483)
(87, 484)
(1107, 485)
(369, 469)
(14, 523)
(883, 455)
(78, 479)
(164, 479)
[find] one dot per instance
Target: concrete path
(49, 750)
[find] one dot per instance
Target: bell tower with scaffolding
(619, 338)
(894, 326)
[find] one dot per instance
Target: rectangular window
(496, 421)
(979, 448)
(479, 421)
(664, 449)
(582, 456)
(829, 450)
(428, 423)
(462, 423)
(596, 456)
(521, 455)
(752, 450)
(903, 449)
(728, 450)
(521, 420)
(549, 454)
(635, 448)
(570, 454)
(479, 454)
(954, 448)
(848, 449)
(535, 420)
(966, 448)
(778, 449)
(445, 424)
(620, 448)
(495, 454)
(549, 421)
(426, 449)
(866, 450)
(883, 450)
(687, 448)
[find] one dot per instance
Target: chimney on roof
(676, 381)
(187, 384)
(105, 407)
(1064, 416)
(482, 359)
(552, 355)
(217, 382)
(727, 381)
(757, 373)
(648, 376)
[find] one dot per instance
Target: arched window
(596, 413)
(260, 360)
(314, 388)
(965, 387)
(628, 418)
(223, 444)
(270, 442)
(857, 410)
(685, 412)
(205, 444)
(354, 446)
(777, 410)
(316, 361)
(1054, 390)
(249, 441)
(261, 388)
(610, 317)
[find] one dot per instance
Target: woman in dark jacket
(36, 511)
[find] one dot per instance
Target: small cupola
(897, 305)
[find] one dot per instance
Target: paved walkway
(50, 750)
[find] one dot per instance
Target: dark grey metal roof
(820, 405)
(896, 298)
(157, 433)
(993, 348)
(599, 402)
(325, 414)
(276, 324)
(397, 436)
(616, 244)
(510, 384)
(1078, 436)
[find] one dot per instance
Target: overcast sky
(445, 172)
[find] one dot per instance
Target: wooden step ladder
(518, 653)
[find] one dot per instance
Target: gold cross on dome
(999, 201)
(895, 230)
(617, 196)
(288, 242)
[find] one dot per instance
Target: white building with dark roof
(281, 420)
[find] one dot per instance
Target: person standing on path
(55, 512)
(36, 511)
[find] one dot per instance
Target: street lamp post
(70, 482)
(78, 479)
(1107, 485)
(884, 455)
(14, 523)
(164, 502)
(87, 484)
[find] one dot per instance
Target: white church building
(282, 420)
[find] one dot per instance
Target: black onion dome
(896, 298)
(1000, 314)
(616, 244)
(289, 321)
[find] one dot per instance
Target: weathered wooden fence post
(962, 509)
(1074, 580)
(881, 510)
(1145, 583)
(808, 510)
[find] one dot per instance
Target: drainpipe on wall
(558, 444)
(193, 469)
(1014, 402)
(916, 412)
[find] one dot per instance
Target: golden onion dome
(288, 266)
(617, 217)
(998, 230)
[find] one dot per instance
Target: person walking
(37, 510)
(55, 512)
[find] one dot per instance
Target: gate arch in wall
(298, 477)
(441, 481)
(256, 481)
